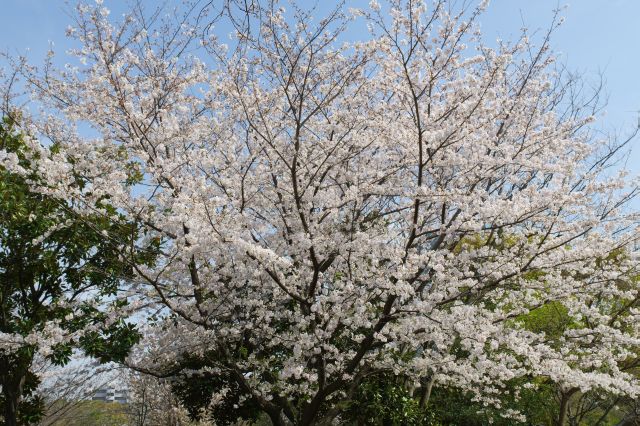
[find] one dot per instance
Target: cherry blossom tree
(322, 211)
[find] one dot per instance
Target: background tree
(153, 402)
(55, 269)
(305, 200)
(64, 389)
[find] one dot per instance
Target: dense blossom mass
(312, 210)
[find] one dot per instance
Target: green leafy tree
(57, 271)
(386, 400)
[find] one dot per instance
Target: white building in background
(110, 394)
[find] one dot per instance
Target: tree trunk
(10, 413)
(276, 417)
(564, 406)
(12, 380)
(11, 395)
(426, 392)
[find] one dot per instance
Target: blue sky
(598, 36)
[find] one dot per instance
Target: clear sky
(598, 36)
